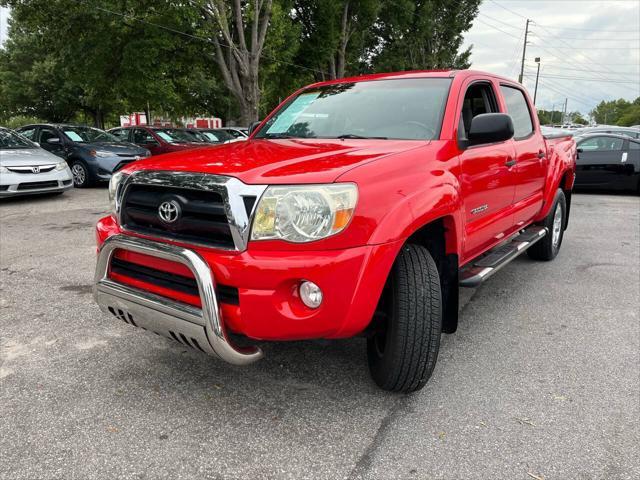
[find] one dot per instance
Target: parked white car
(27, 169)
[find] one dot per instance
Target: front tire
(547, 248)
(403, 354)
(82, 177)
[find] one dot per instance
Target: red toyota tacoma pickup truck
(357, 208)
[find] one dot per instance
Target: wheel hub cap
(557, 226)
(78, 174)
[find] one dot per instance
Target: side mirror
(53, 141)
(253, 126)
(580, 150)
(490, 128)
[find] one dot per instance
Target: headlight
(61, 166)
(304, 213)
(114, 190)
(100, 153)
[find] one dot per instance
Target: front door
(52, 141)
(531, 163)
(487, 178)
(602, 162)
(145, 139)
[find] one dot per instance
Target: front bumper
(268, 306)
(200, 328)
(12, 184)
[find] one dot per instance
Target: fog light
(310, 294)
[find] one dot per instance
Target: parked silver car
(26, 169)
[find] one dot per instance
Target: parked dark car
(240, 133)
(608, 161)
(202, 136)
(157, 140)
(92, 154)
(633, 132)
(216, 133)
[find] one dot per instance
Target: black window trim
(462, 143)
(524, 95)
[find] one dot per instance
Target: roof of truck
(444, 73)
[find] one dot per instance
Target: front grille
(172, 281)
(203, 218)
(37, 185)
(42, 169)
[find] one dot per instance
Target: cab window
(601, 144)
(518, 109)
(121, 134)
(30, 133)
(142, 137)
(478, 99)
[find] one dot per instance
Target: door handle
(510, 163)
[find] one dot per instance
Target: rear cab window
(518, 109)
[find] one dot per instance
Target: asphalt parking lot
(542, 379)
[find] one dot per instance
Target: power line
(564, 77)
(582, 69)
(563, 28)
(596, 48)
(496, 28)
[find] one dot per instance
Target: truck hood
(279, 161)
(26, 157)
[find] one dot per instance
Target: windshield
(409, 109)
(88, 135)
(11, 140)
(173, 135)
(211, 137)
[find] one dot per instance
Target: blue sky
(589, 49)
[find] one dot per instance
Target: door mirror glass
(490, 128)
(253, 126)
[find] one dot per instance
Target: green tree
(617, 112)
(421, 34)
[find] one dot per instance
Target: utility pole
(535, 91)
(553, 111)
(564, 111)
(524, 51)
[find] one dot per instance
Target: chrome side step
(485, 266)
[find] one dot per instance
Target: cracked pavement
(542, 379)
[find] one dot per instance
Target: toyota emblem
(169, 211)
(35, 169)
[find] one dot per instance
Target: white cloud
(595, 42)
(4, 17)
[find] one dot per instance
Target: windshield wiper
(277, 135)
(353, 135)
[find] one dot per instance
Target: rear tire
(82, 176)
(403, 354)
(547, 248)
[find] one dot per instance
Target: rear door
(143, 138)
(486, 174)
(530, 155)
(602, 162)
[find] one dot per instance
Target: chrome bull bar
(201, 328)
